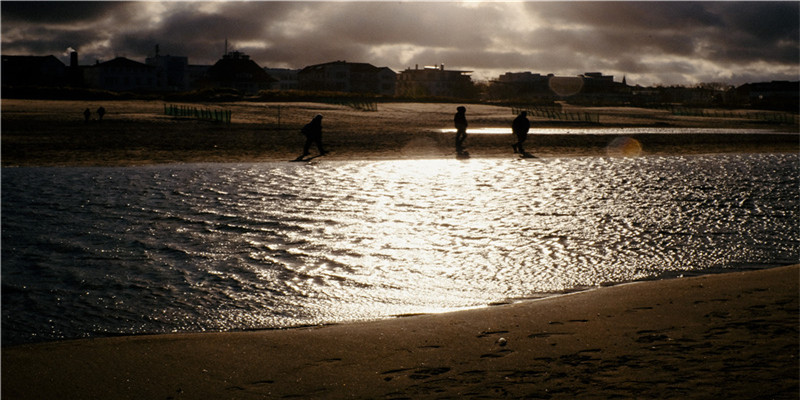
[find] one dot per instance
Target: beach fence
(557, 113)
(204, 114)
(774, 117)
(354, 103)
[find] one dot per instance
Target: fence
(199, 113)
(776, 117)
(358, 104)
(557, 113)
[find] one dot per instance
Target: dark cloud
(630, 16)
(767, 21)
(59, 12)
(651, 42)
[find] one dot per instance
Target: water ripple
(98, 251)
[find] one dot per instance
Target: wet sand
(722, 336)
(53, 133)
(731, 335)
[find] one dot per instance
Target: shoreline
(724, 335)
(52, 133)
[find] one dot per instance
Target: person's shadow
(301, 159)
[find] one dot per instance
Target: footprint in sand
(253, 387)
(490, 333)
(417, 374)
(497, 354)
(541, 335)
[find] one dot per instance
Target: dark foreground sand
(53, 133)
(712, 337)
(723, 336)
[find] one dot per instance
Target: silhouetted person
(100, 112)
(313, 134)
(460, 121)
(87, 115)
(520, 127)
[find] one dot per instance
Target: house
(196, 75)
(387, 81)
(237, 71)
(341, 76)
(521, 85)
(596, 82)
(599, 89)
(172, 71)
(121, 74)
(434, 82)
(33, 71)
(774, 95)
(286, 78)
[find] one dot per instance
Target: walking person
(313, 134)
(520, 127)
(100, 112)
(460, 121)
(87, 115)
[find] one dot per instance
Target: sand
(717, 336)
(53, 133)
(731, 335)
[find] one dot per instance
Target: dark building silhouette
(435, 81)
(121, 74)
(237, 71)
(74, 71)
(172, 71)
(588, 88)
(33, 71)
(775, 95)
(287, 78)
(341, 76)
(601, 89)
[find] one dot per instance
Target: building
(588, 88)
(33, 71)
(237, 71)
(434, 82)
(196, 75)
(596, 82)
(286, 78)
(341, 76)
(774, 95)
(121, 75)
(172, 71)
(521, 86)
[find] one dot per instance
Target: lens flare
(565, 85)
(624, 147)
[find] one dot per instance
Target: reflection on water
(93, 251)
(610, 131)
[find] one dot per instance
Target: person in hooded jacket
(460, 121)
(520, 127)
(313, 133)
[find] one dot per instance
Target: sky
(649, 43)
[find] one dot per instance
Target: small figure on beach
(460, 121)
(100, 112)
(520, 127)
(87, 115)
(313, 134)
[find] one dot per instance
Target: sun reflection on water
(279, 244)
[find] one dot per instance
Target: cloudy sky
(648, 42)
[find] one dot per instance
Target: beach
(138, 132)
(731, 335)
(721, 335)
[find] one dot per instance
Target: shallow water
(99, 251)
(613, 131)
